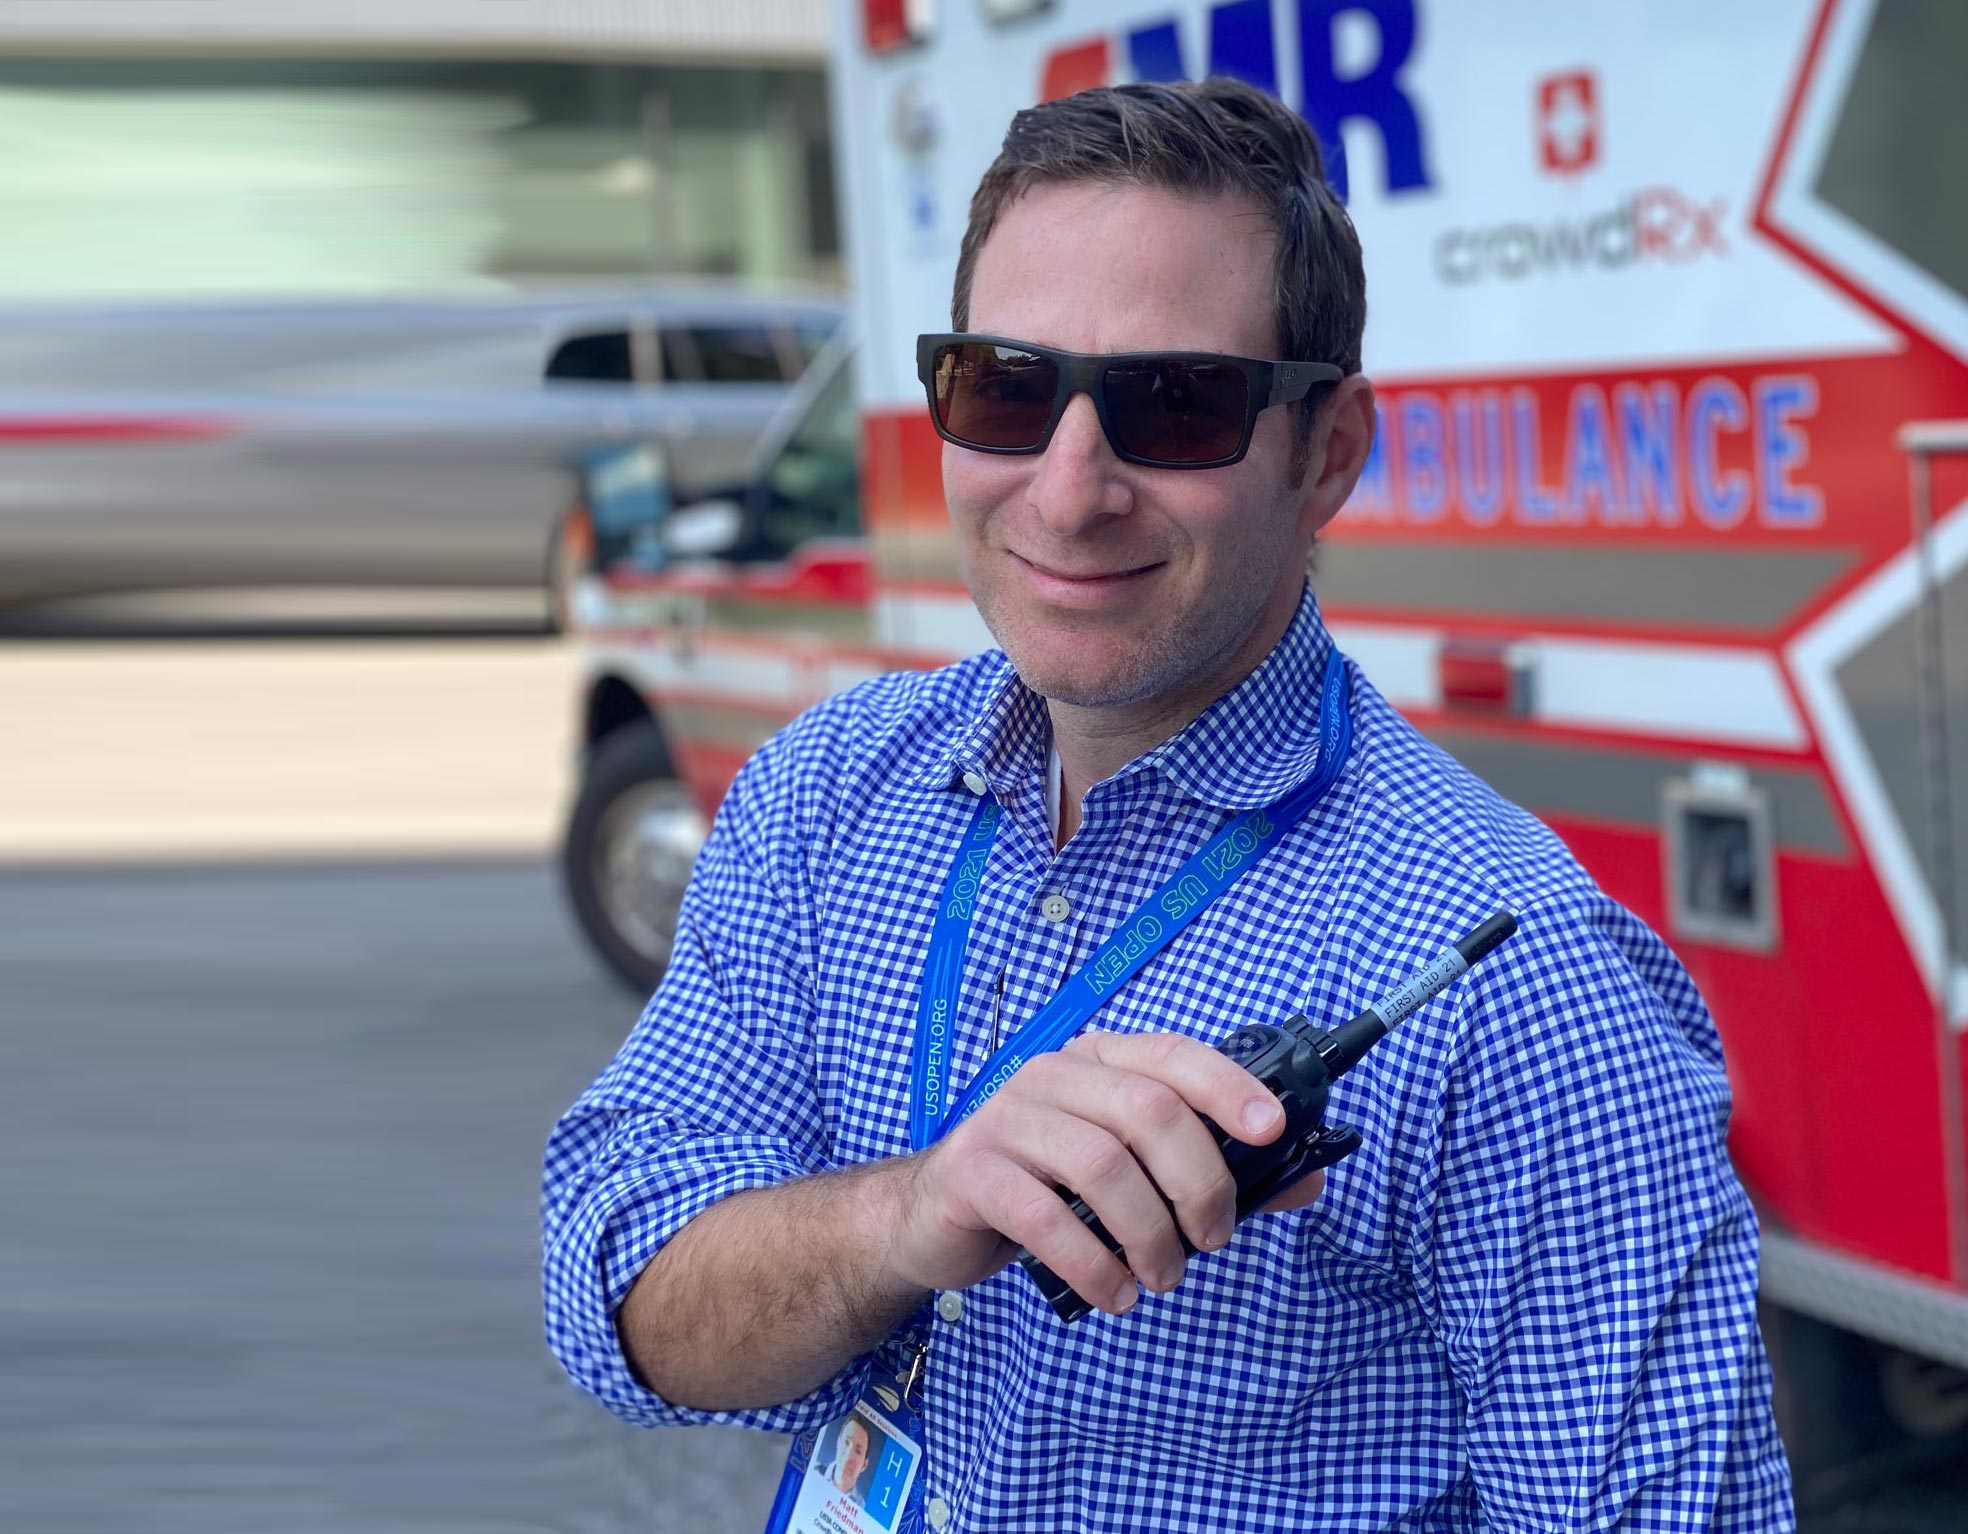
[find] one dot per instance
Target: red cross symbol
(1568, 122)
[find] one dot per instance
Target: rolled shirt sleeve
(712, 1094)
(1589, 1257)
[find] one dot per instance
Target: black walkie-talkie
(1298, 1062)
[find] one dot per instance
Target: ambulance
(1665, 535)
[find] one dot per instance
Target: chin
(1082, 672)
(1088, 692)
(1109, 659)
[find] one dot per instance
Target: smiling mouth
(1085, 578)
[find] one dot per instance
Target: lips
(1116, 590)
(1085, 577)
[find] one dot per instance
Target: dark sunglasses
(1163, 410)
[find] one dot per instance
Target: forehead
(1098, 268)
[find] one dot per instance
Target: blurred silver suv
(375, 446)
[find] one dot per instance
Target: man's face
(853, 1455)
(1106, 583)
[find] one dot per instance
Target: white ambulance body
(1654, 292)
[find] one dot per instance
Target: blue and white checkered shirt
(1526, 1304)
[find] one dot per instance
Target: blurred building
(158, 149)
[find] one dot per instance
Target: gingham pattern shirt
(1526, 1304)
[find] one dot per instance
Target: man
(1526, 1303)
(850, 1457)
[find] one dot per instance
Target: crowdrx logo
(1658, 224)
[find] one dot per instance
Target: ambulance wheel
(631, 842)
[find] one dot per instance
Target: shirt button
(1056, 907)
(974, 781)
(938, 1512)
(949, 1305)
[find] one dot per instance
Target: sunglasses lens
(1173, 411)
(993, 396)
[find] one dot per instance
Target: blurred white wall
(164, 149)
(730, 30)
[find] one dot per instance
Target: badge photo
(859, 1478)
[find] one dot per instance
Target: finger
(1076, 1152)
(1012, 1200)
(1164, 1134)
(1212, 1084)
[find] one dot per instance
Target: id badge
(862, 1473)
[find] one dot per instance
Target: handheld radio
(1298, 1062)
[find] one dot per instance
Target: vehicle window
(599, 358)
(721, 354)
(813, 488)
(813, 336)
(1899, 135)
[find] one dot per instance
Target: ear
(1341, 439)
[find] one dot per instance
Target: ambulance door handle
(687, 613)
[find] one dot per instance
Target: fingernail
(1127, 1300)
(1219, 1235)
(1259, 1114)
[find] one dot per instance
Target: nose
(1079, 480)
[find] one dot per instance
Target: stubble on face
(1161, 656)
(1202, 567)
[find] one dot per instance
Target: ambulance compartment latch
(1720, 857)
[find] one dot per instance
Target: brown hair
(1203, 139)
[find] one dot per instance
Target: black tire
(630, 842)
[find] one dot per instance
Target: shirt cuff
(620, 1227)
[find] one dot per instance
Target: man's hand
(770, 1292)
(1117, 1118)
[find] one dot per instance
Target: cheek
(956, 463)
(977, 484)
(1266, 507)
(1229, 521)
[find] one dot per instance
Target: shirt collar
(1003, 741)
(1249, 748)
(1260, 740)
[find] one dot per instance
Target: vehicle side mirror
(703, 530)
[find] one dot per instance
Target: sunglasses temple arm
(1301, 378)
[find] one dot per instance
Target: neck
(1095, 742)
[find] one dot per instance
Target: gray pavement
(269, 1149)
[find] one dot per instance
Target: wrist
(878, 1217)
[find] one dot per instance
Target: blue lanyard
(1149, 928)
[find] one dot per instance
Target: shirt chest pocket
(1258, 1347)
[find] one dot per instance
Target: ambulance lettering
(1716, 455)
(1243, 42)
